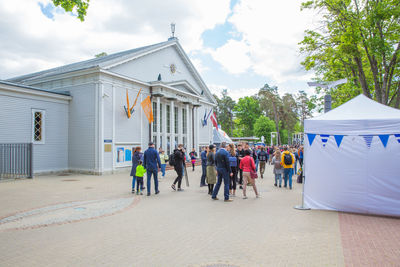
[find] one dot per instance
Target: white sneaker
(244, 197)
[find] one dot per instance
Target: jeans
(203, 175)
(278, 176)
(288, 176)
(139, 184)
(295, 166)
(133, 182)
(257, 165)
(163, 169)
(179, 172)
(149, 173)
(222, 175)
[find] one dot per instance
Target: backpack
(172, 160)
(287, 159)
(232, 161)
(262, 156)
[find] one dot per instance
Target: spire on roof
(172, 32)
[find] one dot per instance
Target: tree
(263, 127)
(247, 111)
(305, 106)
(225, 107)
(289, 112)
(80, 6)
(271, 102)
(358, 40)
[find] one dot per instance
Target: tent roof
(360, 108)
(358, 116)
(220, 136)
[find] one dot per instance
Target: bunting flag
(324, 138)
(338, 139)
(311, 138)
(397, 137)
(148, 111)
(214, 120)
(368, 140)
(384, 139)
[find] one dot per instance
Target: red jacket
(247, 164)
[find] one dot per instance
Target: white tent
(220, 136)
(352, 159)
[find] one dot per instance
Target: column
(188, 129)
(172, 125)
(158, 123)
(164, 128)
(196, 130)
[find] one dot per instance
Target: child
(140, 171)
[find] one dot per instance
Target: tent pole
(302, 206)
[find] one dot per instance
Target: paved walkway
(83, 220)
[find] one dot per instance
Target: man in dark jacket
(240, 155)
(224, 171)
(262, 158)
(203, 166)
(179, 158)
(151, 162)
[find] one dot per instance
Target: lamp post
(328, 97)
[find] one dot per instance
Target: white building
(88, 128)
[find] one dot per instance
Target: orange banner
(148, 111)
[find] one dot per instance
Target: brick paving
(170, 229)
(370, 240)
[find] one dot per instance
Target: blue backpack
(232, 161)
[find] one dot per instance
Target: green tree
(78, 6)
(289, 112)
(247, 110)
(305, 106)
(271, 104)
(358, 40)
(225, 107)
(263, 127)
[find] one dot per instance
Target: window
(176, 141)
(184, 121)
(155, 117)
(38, 119)
(176, 120)
(169, 145)
(168, 119)
(184, 142)
(155, 141)
(161, 129)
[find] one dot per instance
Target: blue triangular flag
(368, 140)
(384, 139)
(324, 138)
(311, 138)
(397, 137)
(338, 139)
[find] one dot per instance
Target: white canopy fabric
(220, 136)
(352, 159)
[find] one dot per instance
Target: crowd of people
(233, 165)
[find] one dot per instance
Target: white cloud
(271, 32)
(235, 94)
(29, 41)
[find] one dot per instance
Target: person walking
(301, 156)
(179, 158)
(233, 163)
(287, 161)
(193, 157)
(223, 170)
(247, 165)
(140, 171)
(151, 162)
(262, 158)
(278, 168)
(211, 169)
(163, 158)
(203, 156)
(270, 152)
(240, 155)
(135, 161)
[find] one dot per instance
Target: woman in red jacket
(247, 165)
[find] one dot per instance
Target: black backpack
(287, 159)
(172, 159)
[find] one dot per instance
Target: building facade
(100, 136)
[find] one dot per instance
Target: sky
(238, 45)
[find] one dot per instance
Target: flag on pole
(214, 120)
(148, 111)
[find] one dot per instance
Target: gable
(171, 64)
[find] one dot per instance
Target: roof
(33, 88)
(359, 116)
(87, 64)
